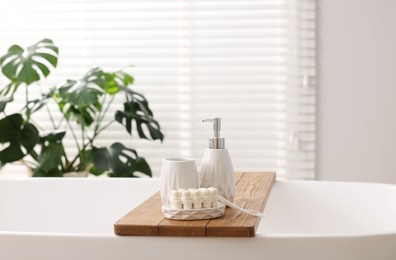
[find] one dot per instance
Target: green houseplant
(83, 104)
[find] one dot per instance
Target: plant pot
(76, 174)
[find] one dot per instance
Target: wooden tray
(252, 192)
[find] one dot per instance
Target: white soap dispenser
(216, 169)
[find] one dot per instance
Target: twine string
(232, 205)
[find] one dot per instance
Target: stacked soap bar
(193, 198)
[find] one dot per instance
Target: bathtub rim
(157, 179)
(257, 236)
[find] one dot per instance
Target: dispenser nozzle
(216, 125)
(215, 142)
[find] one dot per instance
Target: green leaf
(52, 137)
(79, 93)
(3, 102)
(110, 85)
(28, 136)
(140, 165)
(52, 152)
(137, 110)
(31, 65)
(126, 78)
(119, 161)
(101, 158)
(39, 172)
(113, 82)
(19, 138)
(50, 156)
(95, 171)
(79, 99)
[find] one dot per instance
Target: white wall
(357, 90)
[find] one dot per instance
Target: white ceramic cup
(177, 173)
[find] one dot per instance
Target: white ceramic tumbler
(177, 173)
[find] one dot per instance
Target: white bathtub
(55, 219)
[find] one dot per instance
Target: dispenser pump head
(215, 142)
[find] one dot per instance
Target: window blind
(250, 62)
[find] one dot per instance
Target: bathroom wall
(356, 106)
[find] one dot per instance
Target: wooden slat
(142, 221)
(252, 191)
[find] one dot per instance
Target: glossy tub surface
(73, 219)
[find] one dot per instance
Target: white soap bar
(176, 204)
(175, 199)
(206, 199)
(197, 200)
(186, 199)
(214, 196)
(175, 194)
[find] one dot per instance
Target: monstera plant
(83, 104)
